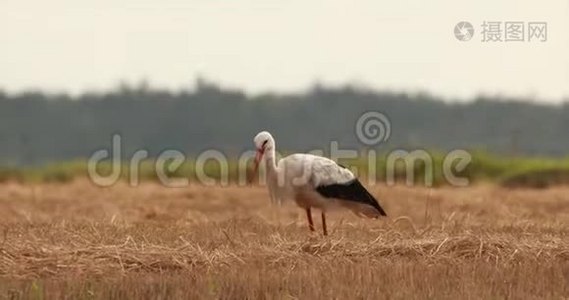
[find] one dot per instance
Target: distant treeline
(36, 128)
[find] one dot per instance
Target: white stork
(313, 181)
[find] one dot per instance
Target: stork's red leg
(309, 216)
(324, 224)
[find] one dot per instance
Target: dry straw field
(78, 241)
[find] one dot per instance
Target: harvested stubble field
(78, 241)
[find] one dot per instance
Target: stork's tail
(353, 193)
(372, 201)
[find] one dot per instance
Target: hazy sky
(78, 45)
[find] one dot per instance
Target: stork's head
(263, 142)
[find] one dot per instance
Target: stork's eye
(264, 143)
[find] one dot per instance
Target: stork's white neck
(270, 159)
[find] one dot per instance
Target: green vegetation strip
(518, 171)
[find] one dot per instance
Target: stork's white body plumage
(313, 182)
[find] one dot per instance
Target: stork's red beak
(258, 157)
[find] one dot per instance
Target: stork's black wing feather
(350, 191)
